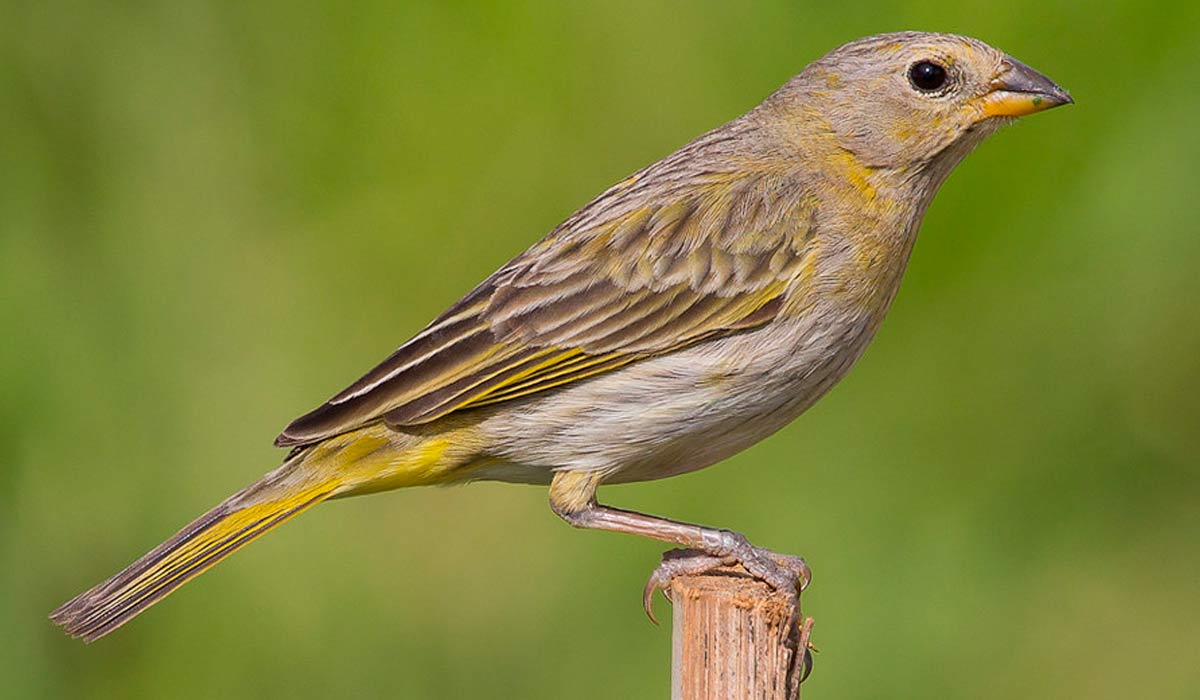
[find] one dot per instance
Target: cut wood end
(736, 637)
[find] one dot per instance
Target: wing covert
(642, 271)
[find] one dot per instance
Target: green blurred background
(213, 216)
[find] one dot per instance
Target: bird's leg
(573, 498)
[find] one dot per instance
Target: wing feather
(642, 271)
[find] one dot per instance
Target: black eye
(927, 76)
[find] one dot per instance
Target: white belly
(677, 413)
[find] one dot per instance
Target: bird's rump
(600, 291)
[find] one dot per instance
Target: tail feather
(210, 538)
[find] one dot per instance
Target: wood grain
(734, 637)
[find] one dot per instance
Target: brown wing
(644, 270)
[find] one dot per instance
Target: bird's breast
(861, 249)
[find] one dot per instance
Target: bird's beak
(1019, 90)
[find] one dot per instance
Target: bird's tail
(278, 496)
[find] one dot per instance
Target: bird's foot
(677, 562)
(783, 572)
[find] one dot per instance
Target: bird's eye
(927, 76)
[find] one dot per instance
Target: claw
(783, 572)
(677, 562)
(656, 582)
(793, 563)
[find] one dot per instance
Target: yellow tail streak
(372, 458)
(193, 550)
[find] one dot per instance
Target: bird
(686, 313)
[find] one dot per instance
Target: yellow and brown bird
(687, 312)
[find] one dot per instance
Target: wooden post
(734, 637)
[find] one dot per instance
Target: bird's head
(917, 99)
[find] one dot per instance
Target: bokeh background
(215, 215)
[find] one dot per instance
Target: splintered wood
(734, 637)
